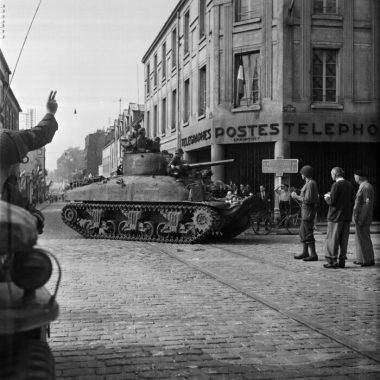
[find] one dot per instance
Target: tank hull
(147, 204)
(165, 222)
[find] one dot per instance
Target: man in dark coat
(362, 215)
(341, 202)
(14, 146)
(309, 199)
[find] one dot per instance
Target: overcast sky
(90, 51)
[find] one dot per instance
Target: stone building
(264, 79)
(9, 106)
(94, 143)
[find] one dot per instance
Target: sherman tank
(144, 203)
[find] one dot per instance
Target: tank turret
(152, 203)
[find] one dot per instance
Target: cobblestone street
(241, 309)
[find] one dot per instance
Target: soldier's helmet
(307, 171)
(179, 151)
(13, 149)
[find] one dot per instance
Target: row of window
(250, 9)
(174, 44)
(247, 87)
(202, 101)
(244, 10)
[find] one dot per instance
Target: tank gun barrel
(210, 163)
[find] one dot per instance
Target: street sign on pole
(280, 166)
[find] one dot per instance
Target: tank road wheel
(189, 229)
(202, 220)
(107, 228)
(70, 214)
(148, 230)
(89, 228)
(161, 230)
(123, 229)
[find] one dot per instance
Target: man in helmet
(14, 146)
(177, 166)
(309, 199)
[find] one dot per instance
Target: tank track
(178, 223)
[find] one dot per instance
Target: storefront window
(324, 75)
(247, 9)
(325, 6)
(247, 79)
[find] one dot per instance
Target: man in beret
(309, 199)
(341, 201)
(362, 215)
(14, 146)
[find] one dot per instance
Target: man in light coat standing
(362, 215)
(341, 202)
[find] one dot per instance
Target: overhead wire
(19, 55)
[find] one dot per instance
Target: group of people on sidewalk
(344, 206)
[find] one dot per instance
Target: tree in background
(70, 162)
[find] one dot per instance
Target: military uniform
(14, 145)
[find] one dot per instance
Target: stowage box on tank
(147, 204)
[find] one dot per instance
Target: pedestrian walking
(341, 202)
(14, 146)
(362, 215)
(309, 201)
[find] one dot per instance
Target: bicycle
(262, 222)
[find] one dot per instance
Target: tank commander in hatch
(177, 167)
(14, 146)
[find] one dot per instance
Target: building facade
(264, 79)
(94, 143)
(112, 150)
(9, 106)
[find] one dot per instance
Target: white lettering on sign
(280, 166)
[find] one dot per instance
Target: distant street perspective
(241, 309)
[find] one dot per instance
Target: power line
(19, 56)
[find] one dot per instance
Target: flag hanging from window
(240, 84)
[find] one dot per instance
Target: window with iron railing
(174, 110)
(174, 48)
(325, 6)
(186, 32)
(148, 79)
(155, 71)
(202, 18)
(324, 82)
(163, 116)
(202, 96)
(247, 9)
(186, 101)
(163, 60)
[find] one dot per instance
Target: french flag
(240, 84)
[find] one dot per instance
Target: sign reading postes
(280, 166)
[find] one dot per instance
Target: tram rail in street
(370, 351)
